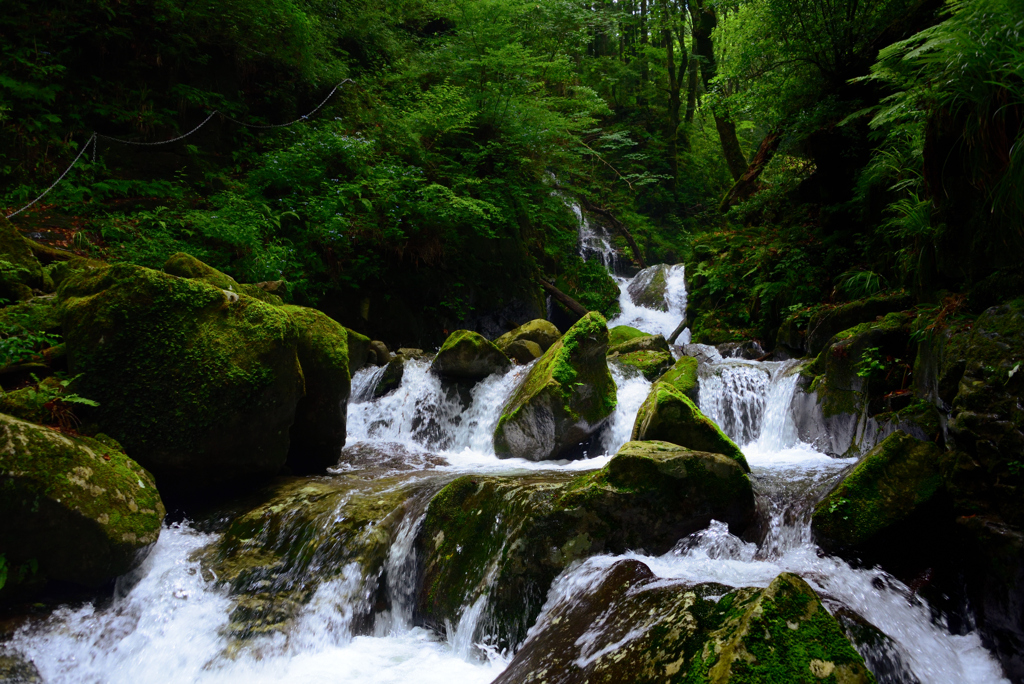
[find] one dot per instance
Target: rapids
(169, 621)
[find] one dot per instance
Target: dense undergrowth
(880, 146)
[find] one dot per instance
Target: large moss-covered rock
(358, 350)
(286, 540)
(888, 499)
(20, 270)
(669, 415)
(187, 266)
(842, 390)
(640, 343)
(623, 333)
(635, 628)
(650, 364)
(507, 538)
(830, 321)
(318, 433)
(683, 376)
(650, 287)
(564, 398)
(201, 384)
(469, 356)
(73, 508)
(540, 332)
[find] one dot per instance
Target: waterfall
(171, 620)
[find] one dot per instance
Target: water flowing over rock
(200, 384)
(469, 356)
(669, 415)
(498, 542)
(650, 289)
(72, 509)
(564, 399)
(631, 627)
(892, 503)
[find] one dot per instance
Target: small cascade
(631, 388)
(654, 321)
(595, 241)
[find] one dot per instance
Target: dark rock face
(71, 508)
(810, 334)
(893, 502)
(469, 356)
(632, 628)
(566, 397)
(201, 384)
(668, 415)
(509, 537)
(650, 287)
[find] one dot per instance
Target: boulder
(284, 541)
(73, 509)
(567, 395)
(523, 351)
(649, 288)
(507, 538)
(633, 627)
(841, 392)
(20, 270)
(16, 669)
(827, 322)
(890, 500)
(358, 350)
(683, 376)
(540, 332)
(318, 433)
(187, 266)
(651, 364)
(669, 415)
(640, 343)
(623, 333)
(201, 384)
(468, 356)
(379, 351)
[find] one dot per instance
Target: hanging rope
(95, 137)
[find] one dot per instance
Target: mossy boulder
(669, 415)
(640, 343)
(683, 376)
(650, 364)
(844, 387)
(16, 669)
(892, 497)
(633, 627)
(564, 398)
(623, 333)
(507, 538)
(318, 433)
(73, 508)
(523, 351)
(201, 384)
(827, 322)
(20, 270)
(468, 356)
(539, 331)
(284, 541)
(358, 350)
(649, 288)
(187, 266)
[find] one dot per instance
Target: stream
(170, 621)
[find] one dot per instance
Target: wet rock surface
(503, 540)
(468, 356)
(631, 627)
(567, 395)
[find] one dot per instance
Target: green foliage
(860, 284)
(871, 363)
(19, 344)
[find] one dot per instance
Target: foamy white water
(654, 321)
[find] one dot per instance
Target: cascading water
(171, 621)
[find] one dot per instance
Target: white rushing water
(170, 623)
(655, 321)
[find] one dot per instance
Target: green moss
(467, 355)
(623, 333)
(539, 331)
(650, 363)
(182, 370)
(683, 376)
(669, 415)
(80, 507)
(572, 377)
(894, 480)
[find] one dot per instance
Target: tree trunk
(747, 184)
(704, 22)
(638, 257)
(564, 299)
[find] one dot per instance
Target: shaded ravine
(174, 618)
